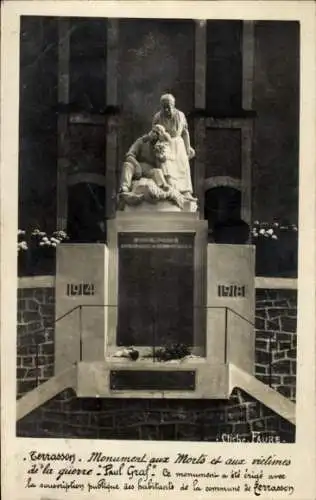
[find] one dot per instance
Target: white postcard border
(303, 452)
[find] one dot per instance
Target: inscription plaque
(156, 287)
(152, 380)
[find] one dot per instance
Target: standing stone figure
(175, 124)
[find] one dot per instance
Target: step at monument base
(190, 379)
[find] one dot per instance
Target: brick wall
(68, 416)
(276, 339)
(35, 337)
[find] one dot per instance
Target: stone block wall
(35, 337)
(276, 339)
(191, 420)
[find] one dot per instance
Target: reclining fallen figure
(147, 171)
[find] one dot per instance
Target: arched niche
(222, 199)
(222, 210)
(86, 208)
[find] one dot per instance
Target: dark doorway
(86, 213)
(223, 213)
(222, 203)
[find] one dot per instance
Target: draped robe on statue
(178, 165)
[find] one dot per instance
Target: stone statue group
(156, 167)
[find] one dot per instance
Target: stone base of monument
(161, 206)
(81, 297)
(145, 379)
(156, 284)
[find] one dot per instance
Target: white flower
(270, 231)
(295, 228)
(266, 235)
(262, 231)
(60, 235)
(274, 237)
(53, 245)
(21, 232)
(45, 239)
(42, 244)
(256, 223)
(22, 245)
(276, 224)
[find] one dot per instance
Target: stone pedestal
(161, 206)
(231, 305)
(157, 283)
(81, 304)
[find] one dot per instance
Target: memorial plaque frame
(156, 288)
(151, 380)
(160, 223)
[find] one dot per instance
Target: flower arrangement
(37, 238)
(173, 351)
(276, 248)
(37, 249)
(44, 240)
(271, 230)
